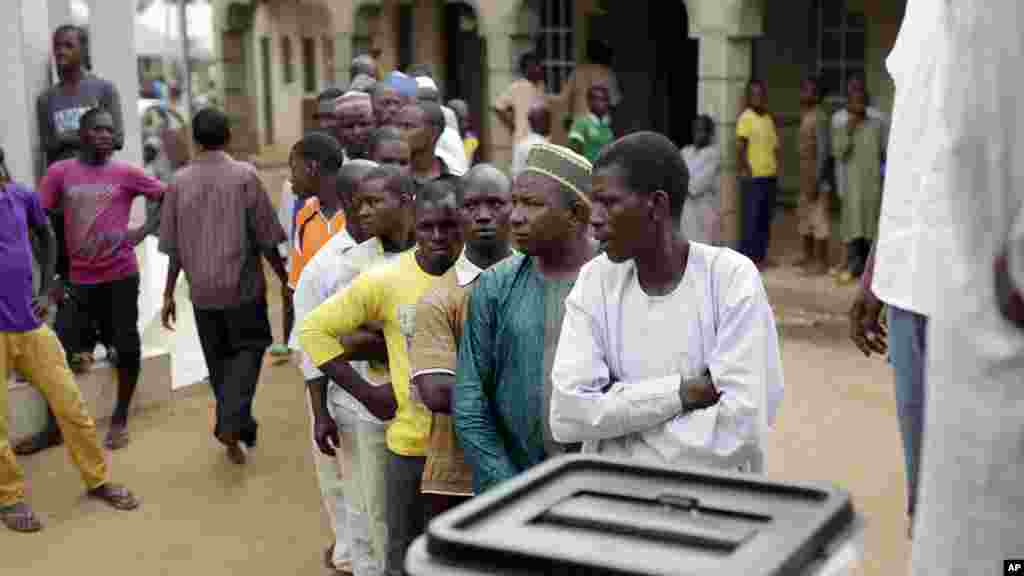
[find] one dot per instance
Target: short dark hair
(350, 176)
(439, 189)
(332, 93)
(382, 135)
(396, 180)
(648, 162)
(211, 129)
(322, 148)
(707, 121)
(88, 118)
(526, 60)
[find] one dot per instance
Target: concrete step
(27, 408)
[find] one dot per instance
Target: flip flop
(117, 438)
(115, 496)
(20, 518)
(38, 443)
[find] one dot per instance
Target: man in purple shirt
(31, 349)
(96, 193)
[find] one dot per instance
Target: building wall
(294, 19)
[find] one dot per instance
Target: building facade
(673, 59)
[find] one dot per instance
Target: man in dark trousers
(217, 224)
(58, 112)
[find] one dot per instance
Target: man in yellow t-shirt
(757, 149)
(388, 295)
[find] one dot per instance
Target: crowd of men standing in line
(458, 326)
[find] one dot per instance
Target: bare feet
(237, 454)
(116, 496)
(39, 442)
(20, 518)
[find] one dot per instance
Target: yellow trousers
(39, 357)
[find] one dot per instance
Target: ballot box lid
(594, 515)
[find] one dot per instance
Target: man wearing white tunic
(669, 352)
(971, 501)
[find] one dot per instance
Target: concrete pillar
(112, 41)
(427, 33)
(343, 15)
(386, 38)
(726, 30)
(25, 39)
(722, 78)
(498, 24)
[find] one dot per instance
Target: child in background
(592, 132)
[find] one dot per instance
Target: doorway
(657, 71)
(465, 63)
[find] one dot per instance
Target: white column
(24, 39)
(112, 40)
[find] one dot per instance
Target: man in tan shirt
(513, 105)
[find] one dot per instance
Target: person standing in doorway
(96, 195)
(217, 225)
(503, 380)
(513, 105)
(30, 348)
(58, 113)
(595, 71)
(592, 131)
(470, 140)
(701, 212)
(440, 316)
(757, 153)
(815, 141)
(858, 146)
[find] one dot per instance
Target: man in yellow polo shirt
(388, 295)
(757, 156)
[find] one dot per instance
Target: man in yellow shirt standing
(388, 295)
(757, 150)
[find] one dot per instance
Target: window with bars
(555, 45)
(841, 46)
(287, 65)
(328, 47)
(308, 65)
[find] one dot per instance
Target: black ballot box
(578, 515)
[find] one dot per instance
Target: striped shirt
(217, 220)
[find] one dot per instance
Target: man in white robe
(971, 500)
(669, 352)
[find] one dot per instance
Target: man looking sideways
(669, 348)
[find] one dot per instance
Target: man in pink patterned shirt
(96, 194)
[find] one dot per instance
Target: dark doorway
(465, 61)
(268, 91)
(657, 70)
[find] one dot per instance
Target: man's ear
(660, 204)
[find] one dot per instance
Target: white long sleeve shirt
(718, 318)
(332, 270)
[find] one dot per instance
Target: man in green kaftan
(503, 380)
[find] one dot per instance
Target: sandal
(116, 496)
(117, 438)
(20, 518)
